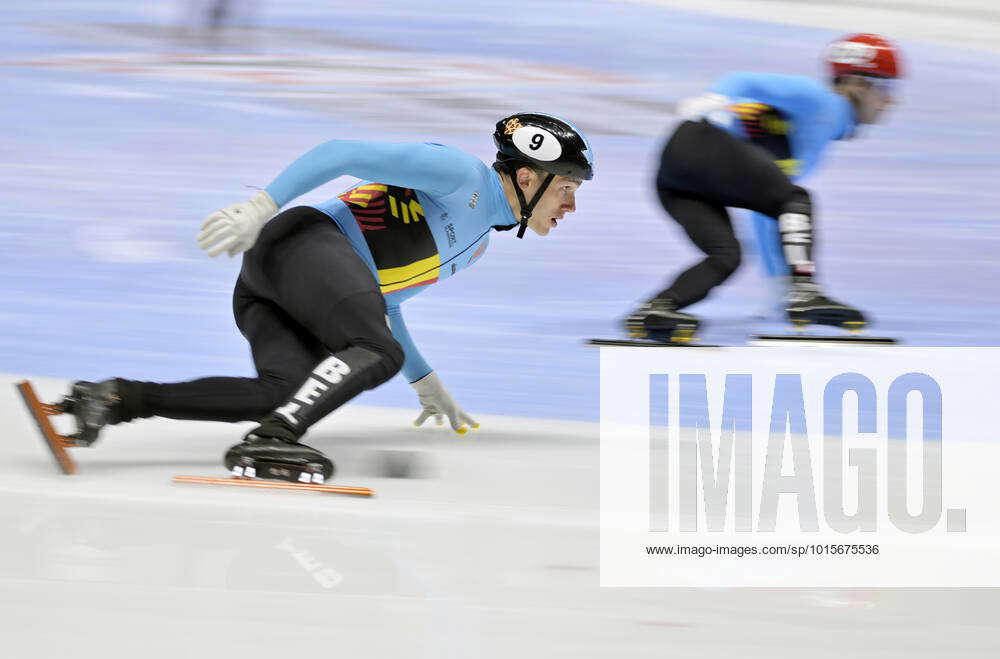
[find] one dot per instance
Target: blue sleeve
(795, 95)
(432, 168)
(414, 366)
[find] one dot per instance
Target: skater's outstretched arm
(434, 398)
(414, 366)
(427, 167)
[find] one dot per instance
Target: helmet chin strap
(526, 208)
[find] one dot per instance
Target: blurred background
(126, 123)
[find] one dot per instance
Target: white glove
(234, 229)
(437, 402)
(697, 107)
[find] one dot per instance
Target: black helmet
(548, 143)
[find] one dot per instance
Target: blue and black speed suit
(749, 155)
(319, 294)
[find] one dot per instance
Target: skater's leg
(709, 227)
(364, 355)
(303, 294)
(284, 351)
(762, 187)
(313, 274)
(705, 160)
(283, 354)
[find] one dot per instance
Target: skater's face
(557, 200)
(872, 97)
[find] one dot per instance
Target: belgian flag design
(768, 128)
(395, 227)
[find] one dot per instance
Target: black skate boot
(806, 304)
(93, 405)
(272, 451)
(658, 320)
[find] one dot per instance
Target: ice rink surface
(485, 547)
(125, 125)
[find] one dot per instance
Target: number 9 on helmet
(545, 142)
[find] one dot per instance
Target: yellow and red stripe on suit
(768, 128)
(395, 228)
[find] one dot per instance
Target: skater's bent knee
(395, 357)
(390, 354)
(726, 261)
(799, 202)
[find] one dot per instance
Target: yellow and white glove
(437, 402)
(234, 229)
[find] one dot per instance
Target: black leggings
(303, 295)
(704, 169)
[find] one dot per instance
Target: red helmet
(864, 54)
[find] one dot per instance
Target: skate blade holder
(41, 412)
(277, 471)
(853, 327)
(681, 335)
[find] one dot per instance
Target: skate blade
(41, 412)
(629, 343)
(276, 485)
(809, 339)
